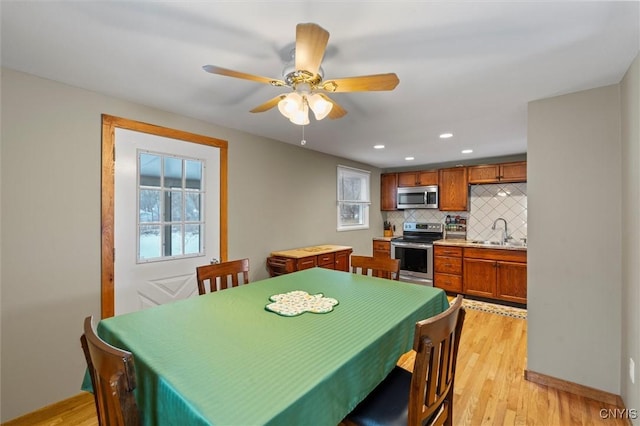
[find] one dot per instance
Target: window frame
(364, 202)
(162, 221)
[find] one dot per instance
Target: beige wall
(630, 97)
(574, 268)
(280, 196)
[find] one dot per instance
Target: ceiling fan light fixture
(304, 74)
(301, 116)
(290, 104)
(320, 106)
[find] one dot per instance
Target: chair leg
(449, 401)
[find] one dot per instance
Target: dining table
(297, 349)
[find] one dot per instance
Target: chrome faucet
(505, 234)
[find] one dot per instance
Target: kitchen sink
(488, 243)
(498, 243)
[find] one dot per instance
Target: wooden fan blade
(311, 42)
(365, 83)
(336, 111)
(269, 104)
(237, 74)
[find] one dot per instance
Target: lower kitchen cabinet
(329, 256)
(342, 260)
(512, 282)
(495, 274)
(480, 277)
(381, 248)
(447, 268)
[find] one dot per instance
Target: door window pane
(150, 242)
(174, 206)
(149, 205)
(172, 172)
(192, 207)
(193, 174)
(173, 240)
(192, 240)
(150, 170)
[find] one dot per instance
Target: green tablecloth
(223, 359)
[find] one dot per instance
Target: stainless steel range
(415, 251)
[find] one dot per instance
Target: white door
(166, 217)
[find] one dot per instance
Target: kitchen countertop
(470, 243)
(384, 238)
(299, 253)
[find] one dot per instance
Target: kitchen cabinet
(513, 172)
(498, 173)
(419, 178)
(381, 248)
(326, 256)
(495, 274)
(342, 260)
(454, 189)
(388, 191)
(447, 268)
(512, 282)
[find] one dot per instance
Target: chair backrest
(382, 267)
(113, 378)
(225, 271)
(280, 265)
(436, 342)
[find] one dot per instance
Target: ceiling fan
(305, 76)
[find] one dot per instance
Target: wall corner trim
(574, 388)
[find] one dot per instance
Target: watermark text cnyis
(619, 413)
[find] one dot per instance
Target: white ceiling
(467, 67)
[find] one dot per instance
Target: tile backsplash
(487, 203)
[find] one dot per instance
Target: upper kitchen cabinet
(513, 172)
(388, 191)
(497, 173)
(421, 178)
(454, 189)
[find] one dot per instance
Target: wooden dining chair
(382, 267)
(222, 275)
(426, 395)
(113, 379)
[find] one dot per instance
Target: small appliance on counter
(455, 228)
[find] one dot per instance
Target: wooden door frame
(109, 124)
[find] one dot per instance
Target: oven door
(416, 261)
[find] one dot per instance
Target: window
(170, 200)
(353, 198)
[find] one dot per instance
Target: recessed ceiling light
(446, 135)
(467, 151)
(409, 158)
(378, 146)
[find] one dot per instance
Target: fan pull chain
(303, 142)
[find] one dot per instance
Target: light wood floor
(489, 389)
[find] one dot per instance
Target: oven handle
(411, 245)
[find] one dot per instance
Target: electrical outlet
(632, 370)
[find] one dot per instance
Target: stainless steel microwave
(418, 197)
